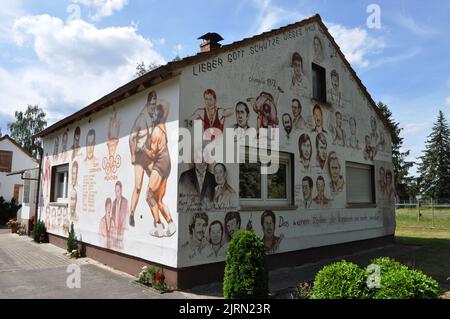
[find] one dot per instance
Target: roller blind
(359, 183)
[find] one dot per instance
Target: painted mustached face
(199, 229)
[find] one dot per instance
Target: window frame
(265, 201)
(56, 172)
(370, 204)
(317, 69)
(7, 156)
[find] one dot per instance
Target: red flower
(42, 234)
(159, 277)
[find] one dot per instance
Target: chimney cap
(211, 37)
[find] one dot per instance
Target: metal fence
(432, 215)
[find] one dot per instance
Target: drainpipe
(38, 190)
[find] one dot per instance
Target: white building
(18, 174)
(115, 169)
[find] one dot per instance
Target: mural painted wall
(122, 180)
(269, 84)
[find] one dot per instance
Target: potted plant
(13, 224)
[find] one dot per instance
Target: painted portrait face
(241, 116)
(65, 137)
(108, 209)
(199, 229)
(307, 191)
(216, 234)
(306, 149)
(56, 146)
(209, 100)
(295, 108)
(367, 139)
(220, 174)
(118, 191)
(297, 65)
(90, 141)
(335, 81)
(382, 175)
(76, 137)
(352, 123)
(335, 169)
(287, 123)
(317, 47)
(266, 109)
(232, 227)
(373, 124)
(268, 226)
(388, 178)
(338, 119)
(320, 187)
(318, 120)
(322, 150)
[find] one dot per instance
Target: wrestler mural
(149, 153)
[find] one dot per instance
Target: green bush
(400, 282)
(72, 241)
(340, 280)
(245, 274)
(40, 232)
(8, 210)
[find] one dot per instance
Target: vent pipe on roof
(210, 41)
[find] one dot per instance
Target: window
(6, 161)
(60, 179)
(360, 184)
(260, 190)
(319, 83)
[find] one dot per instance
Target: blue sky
(63, 55)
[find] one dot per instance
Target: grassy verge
(434, 256)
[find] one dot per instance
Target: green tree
(176, 59)
(434, 168)
(27, 124)
(142, 69)
(401, 165)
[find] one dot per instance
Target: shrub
(8, 210)
(340, 280)
(72, 241)
(153, 277)
(40, 232)
(302, 291)
(400, 282)
(245, 274)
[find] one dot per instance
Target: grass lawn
(408, 217)
(434, 256)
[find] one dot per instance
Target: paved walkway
(30, 270)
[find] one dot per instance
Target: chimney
(210, 41)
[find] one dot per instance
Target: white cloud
(270, 15)
(71, 58)
(447, 101)
(413, 26)
(10, 10)
(416, 127)
(103, 8)
(356, 44)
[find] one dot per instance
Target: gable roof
(171, 69)
(13, 141)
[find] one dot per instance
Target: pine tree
(435, 166)
(401, 165)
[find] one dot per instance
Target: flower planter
(14, 230)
